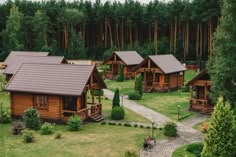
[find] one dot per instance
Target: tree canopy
(183, 28)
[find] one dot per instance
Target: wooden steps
(148, 89)
(96, 118)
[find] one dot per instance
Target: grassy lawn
(167, 103)
(181, 152)
(129, 115)
(125, 87)
(92, 140)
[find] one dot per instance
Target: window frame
(40, 102)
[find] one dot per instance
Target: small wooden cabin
(11, 56)
(129, 59)
(57, 91)
(200, 87)
(19, 59)
(160, 73)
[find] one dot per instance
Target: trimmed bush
(28, 136)
(103, 123)
(74, 123)
(17, 128)
(5, 117)
(117, 113)
(139, 86)
(127, 125)
(47, 128)
(195, 148)
(185, 89)
(135, 125)
(96, 93)
(57, 135)
(148, 127)
(118, 78)
(31, 119)
(141, 126)
(134, 95)
(120, 124)
(170, 129)
(131, 152)
(111, 123)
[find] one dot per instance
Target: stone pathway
(165, 148)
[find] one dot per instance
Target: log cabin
(12, 54)
(19, 59)
(160, 73)
(57, 91)
(200, 87)
(129, 59)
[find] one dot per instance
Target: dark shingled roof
(58, 79)
(11, 56)
(19, 59)
(167, 63)
(129, 57)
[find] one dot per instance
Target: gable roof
(19, 59)
(167, 63)
(128, 57)
(11, 56)
(58, 79)
(197, 77)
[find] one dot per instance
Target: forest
(86, 30)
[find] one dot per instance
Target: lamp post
(178, 111)
(153, 129)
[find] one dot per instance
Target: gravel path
(165, 148)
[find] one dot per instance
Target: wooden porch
(201, 105)
(93, 113)
(156, 87)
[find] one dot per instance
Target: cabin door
(69, 105)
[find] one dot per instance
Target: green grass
(181, 152)
(125, 87)
(130, 116)
(92, 140)
(167, 103)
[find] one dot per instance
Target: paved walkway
(165, 148)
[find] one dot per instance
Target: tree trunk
(122, 34)
(110, 32)
(117, 36)
(105, 25)
(155, 36)
(175, 34)
(136, 35)
(200, 41)
(149, 32)
(170, 35)
(197, 40)
(130, 35)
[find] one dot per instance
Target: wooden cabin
(12, 55)
(129, 59)
(161, 73)
(200, 87)
(57, 91)
(19, 59)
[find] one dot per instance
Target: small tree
(139, 85)
(116, 99)
(122, 77)
(31, 119)
(221, 134)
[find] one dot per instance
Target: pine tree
(139, 86)
(221, 135)
(14, 29)
(116, 99)
(122, 77)
(222, 62)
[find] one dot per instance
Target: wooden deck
(94, 113)
(201, 105)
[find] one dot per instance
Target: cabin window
(41, 102)
(69, 103)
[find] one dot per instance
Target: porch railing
(83, 113)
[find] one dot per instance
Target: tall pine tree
(220, 140)
(14, 29)
(116, 99)
(222, 62)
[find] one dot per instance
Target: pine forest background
(86, 30)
